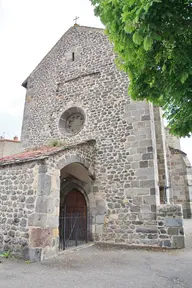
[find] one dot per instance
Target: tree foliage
(153, 41)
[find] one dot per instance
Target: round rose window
(72, 121)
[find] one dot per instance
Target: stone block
(145, 143)
(55, 182)
(152, 236)
(141, 191)
(135, 183)
(137, 200)
(137, 157)
(141, 150)
(30, 200)
(101, 208)
(40, 237)
(145, 117)
(95, 189)
(43, 168)
(37, 220)
(149, 172)
(149, 200)
(178, 242)
(173, 231)
(147, 183)
(145, 208)
(45, 205)
(52, 221)
(44, 184)
(147, 156)
(61, 164)
(137, 222)
(152, 191)
(169, 209)
(99, 229)
(148, 230)
(143, 164)
(165, 243)
(147, 216)
(173, 222)
(100, 219)
(114, 217)
(150, 149)
(153, 208)
(32, 254)
(135, 209)
(23, 222)
(137, 191)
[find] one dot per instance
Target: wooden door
(73, 222)
(75, 204)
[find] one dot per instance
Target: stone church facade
(114, 153)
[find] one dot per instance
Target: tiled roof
(26, 156)
(40, 153)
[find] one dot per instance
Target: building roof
(41, 152)
(38, 154)
(177, 151)
(76, 26)
(9, 140)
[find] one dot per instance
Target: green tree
(153, 42)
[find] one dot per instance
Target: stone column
(44, 223)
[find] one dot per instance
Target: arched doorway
(73, 220)
(75, 203)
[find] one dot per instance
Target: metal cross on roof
(76, 18)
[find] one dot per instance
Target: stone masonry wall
(164, 232)
(170, 226)
(172, 140)
(17, 203)
(125, 156)
(179, 181)
(30, 201)
(44, 222)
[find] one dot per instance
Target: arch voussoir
(76, 158)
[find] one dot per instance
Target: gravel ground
(104, 267)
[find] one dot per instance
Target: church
(95, 165)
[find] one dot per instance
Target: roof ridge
(90, 27)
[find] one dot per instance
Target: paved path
(104, 268)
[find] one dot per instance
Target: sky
(28, 30)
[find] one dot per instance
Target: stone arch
(77, 158)
(70, 184)
(76, 172)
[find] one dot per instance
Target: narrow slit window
(73, 56)
(162, 194)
